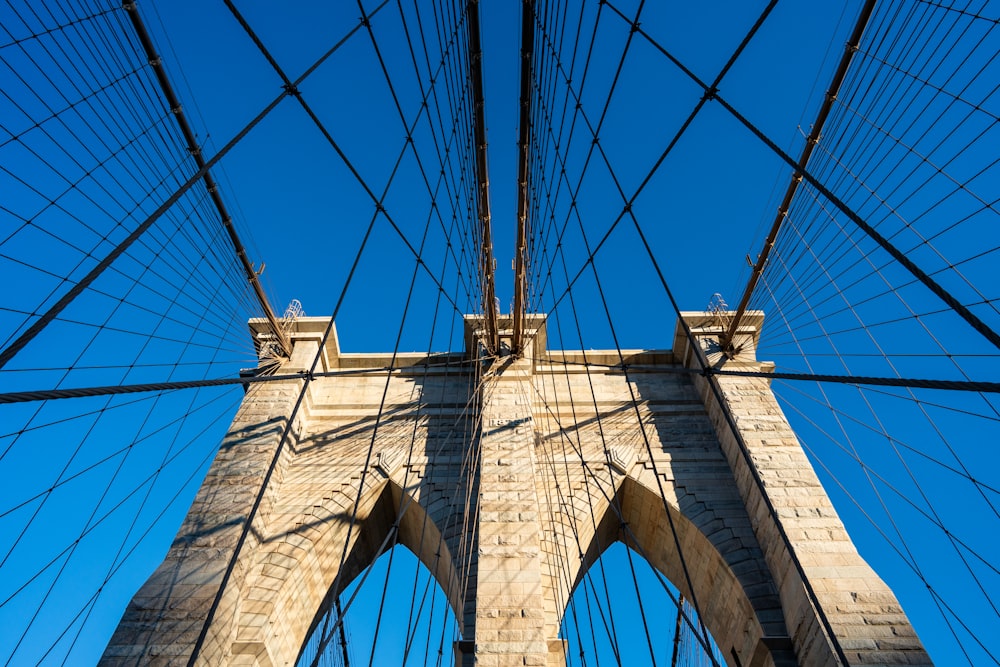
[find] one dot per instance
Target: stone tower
(508, 478)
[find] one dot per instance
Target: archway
(693, 553)
(296, 590)
(623, 611)
(394, 613)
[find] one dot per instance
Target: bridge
(797, 198)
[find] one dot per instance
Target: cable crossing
(838, 179)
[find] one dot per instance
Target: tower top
(534, 334)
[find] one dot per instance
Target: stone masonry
(508, 478)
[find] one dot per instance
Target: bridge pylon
(508, 477)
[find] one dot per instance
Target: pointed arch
(624, 606)
(722, 568)
(297, 571)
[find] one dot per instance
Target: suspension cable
(487, 264)
(811, 141)
(936, 288)
(156, 62)
(38, 325)
(521, 258)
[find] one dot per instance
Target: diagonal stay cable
(811, 142)
(627, 209)
(717, 392)
(301, 394)
(385, 392)
(850, 417)
(279, 450)
(111, 511)
(939, 602)
(307, 376)
(11, 350)
(595, 133)
(291, 88)
(936, 288)
(394, 532)
(871, 476)
(894, 209)
(907, 558)
(156, 62)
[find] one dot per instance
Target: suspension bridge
(604, 232)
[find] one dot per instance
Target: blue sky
(304, 215)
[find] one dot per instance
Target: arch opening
(622, 611)
(396, 535)
(725, 579)
(396, 613)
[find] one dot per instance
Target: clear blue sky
(703, 212)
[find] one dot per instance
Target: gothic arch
(731, 584)
(296, 571)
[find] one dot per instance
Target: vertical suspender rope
(524, 148)
(343, 634)
(677, 630)
(486, 261)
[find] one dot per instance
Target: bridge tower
(507, 478)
